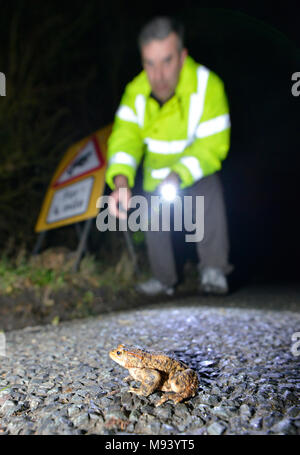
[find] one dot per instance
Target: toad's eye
(119, 352)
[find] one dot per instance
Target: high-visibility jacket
(189, 134)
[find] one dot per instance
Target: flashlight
(168, 191)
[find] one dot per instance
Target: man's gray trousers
(212, 250)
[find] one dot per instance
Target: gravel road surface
(60, 379)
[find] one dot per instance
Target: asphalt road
(61, 380)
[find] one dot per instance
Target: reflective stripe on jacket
(189, 134)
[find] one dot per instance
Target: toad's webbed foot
(176, 397)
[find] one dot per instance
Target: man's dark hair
(159, 28)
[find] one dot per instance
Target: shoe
(154, 287)
(213, 281)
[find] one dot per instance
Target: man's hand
(119, 199)
(172, 178)
(169, 186)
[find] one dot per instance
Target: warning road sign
(87, 160)
(70, 201)
(77, 183)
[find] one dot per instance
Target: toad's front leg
(128, 379)
(183, 384)
(150, 380)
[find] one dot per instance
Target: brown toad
(156, 371)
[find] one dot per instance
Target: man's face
(162, 62)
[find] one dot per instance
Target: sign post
(78, 182)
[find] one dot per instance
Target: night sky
(254, 49)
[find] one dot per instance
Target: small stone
(296, 422)
(216, 428)
(22, 406)
(95, 417)
(54, 390)
(106, 401)
(213, 400)
(294, 411)
(14, 427)
(246, 411)
(206, 363)
(258, 360)
(73, 410)
(81, 420)
(164, 412)
(224, 412)
(115, 413)
(82, 392)
(62, 421)
(8, 408)
(215, 391)
(130, 428)
(290, 396)
(151, 426)
(270, 420)
(41, 392)
(47, 385)
(76, 398)
(146, 409)
(203, 409)
(45, 426)
(285, 426)
(126, 400)
(256, 423)
(181, 410)
(167, 429)
(134, 415)
(34, 403)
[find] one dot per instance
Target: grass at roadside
(53, 269)
(45, 289)
(25, 275)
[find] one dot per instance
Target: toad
(156, 371)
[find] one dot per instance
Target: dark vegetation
(66, 67)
